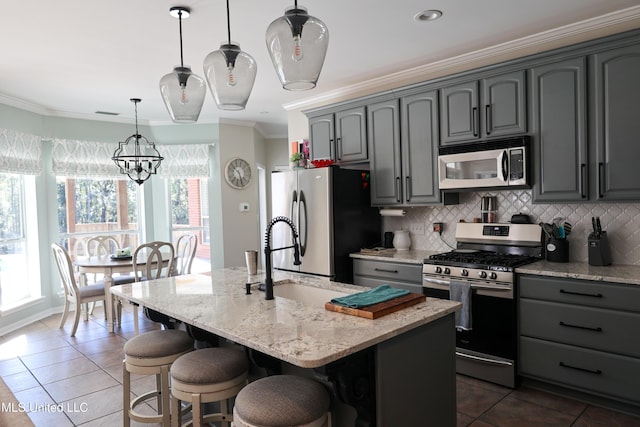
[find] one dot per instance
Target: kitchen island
(395, 370)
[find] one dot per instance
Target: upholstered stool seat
(282, 400)
(152, 353)
(209, 375)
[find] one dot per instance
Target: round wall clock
(238, 173)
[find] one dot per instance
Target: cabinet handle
(600, 178)
(398, 199)
(591, 371)
(586, 328)
(487, 118)
(407, 189)
(332, 149)
(474, 121)
(583, 184)
(562, 291)
(339, 148)
(384, 270)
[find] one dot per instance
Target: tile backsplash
(621, 221)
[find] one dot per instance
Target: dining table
(108, 266)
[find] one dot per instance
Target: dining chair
(185, 253)
(73, 293)
(160, 261)
(105, 246)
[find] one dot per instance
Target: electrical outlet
(416, 229)
(438, 227)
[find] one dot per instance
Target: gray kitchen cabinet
(403, 138)
(383, 122)
(490, 107)
(576, 334)
(616, 102)
(340, 136)
(399, 275)
(559, 119)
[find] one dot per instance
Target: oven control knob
(493, 276)
(483, 274)
(447, 271)
(464, 272)
(438, 270)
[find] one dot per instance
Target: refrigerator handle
(302, 231)
(294, 200)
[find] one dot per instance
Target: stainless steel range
(483, 265)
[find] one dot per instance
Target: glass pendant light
(297, 43)
(137, 157)
(230, 73)
(182, 91)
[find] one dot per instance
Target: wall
(620, 220)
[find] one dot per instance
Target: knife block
(599, 250)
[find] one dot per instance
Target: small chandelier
(230, 73)
(137, 161)
(182, 91)
(297, 55)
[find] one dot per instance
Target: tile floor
(65, 381)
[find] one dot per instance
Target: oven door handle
(444, 284)
(483, 359)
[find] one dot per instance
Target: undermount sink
(304, 294)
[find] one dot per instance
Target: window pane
(188, 197)
(13, 245)
(91, 207)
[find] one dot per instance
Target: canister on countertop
(489, 209)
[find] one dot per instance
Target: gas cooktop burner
(480, 259)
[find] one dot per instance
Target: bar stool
(152, 353)
(282, 400)
(204, 376)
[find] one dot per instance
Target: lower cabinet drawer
(388, 270)
(592, 371)
(372, 283)
(605, 330)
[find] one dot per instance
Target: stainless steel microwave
(485, 165)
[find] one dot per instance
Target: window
(190, 214)
(96, 206)
(19, 281)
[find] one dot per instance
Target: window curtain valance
(184, 161)
(74, 158)
(20, 152)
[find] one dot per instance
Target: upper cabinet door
(351, 135)
(617, 124)
(420, 148)
(321, 134)
(459, 113)
(559, 121)
(386, 164)
(504, 99)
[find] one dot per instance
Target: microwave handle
(503, 164)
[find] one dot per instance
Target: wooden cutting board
(381, 309)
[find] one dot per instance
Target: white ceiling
(72, 58)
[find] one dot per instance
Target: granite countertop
(300, 334)
(411, 256)
(617, 273)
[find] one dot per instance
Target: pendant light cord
(180, 24)
(228, 23)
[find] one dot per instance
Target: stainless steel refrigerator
(331, 208)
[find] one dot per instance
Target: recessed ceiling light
(428, 15)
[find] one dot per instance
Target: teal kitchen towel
(362, 299)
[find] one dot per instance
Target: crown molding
(612, 23)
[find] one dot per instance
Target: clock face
(238, 173)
